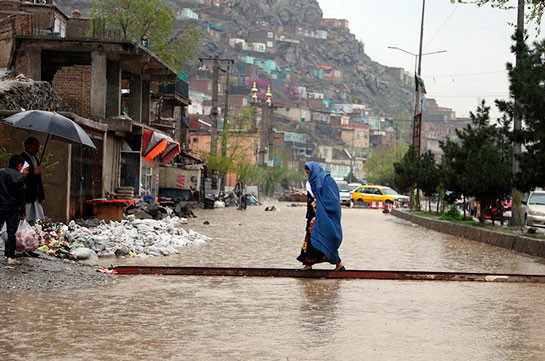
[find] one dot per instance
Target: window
(195, 140)
(269, 44)
(337, 73)
(270, 35)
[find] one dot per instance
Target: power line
(471, 96)
(441, 27)
(465, 74)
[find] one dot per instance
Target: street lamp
(417, 121)
(416, 55)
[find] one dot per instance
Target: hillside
(363, 80)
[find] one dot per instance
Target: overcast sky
(477, 41)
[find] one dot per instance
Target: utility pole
(417, 121)
(517, 125)
(225, 114)
(214, 112)
(224, 127)
(517, 119)
(417, 124)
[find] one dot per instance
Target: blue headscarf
(327, 233)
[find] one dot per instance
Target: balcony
(179, 89)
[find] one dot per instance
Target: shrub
(453, 214)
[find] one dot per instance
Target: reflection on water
(221, 318)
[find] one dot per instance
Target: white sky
(477, 41)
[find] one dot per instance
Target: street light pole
(417, 125)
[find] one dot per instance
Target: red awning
(155, 144)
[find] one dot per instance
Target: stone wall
(29, 95)
(526, 245)
(73, 85)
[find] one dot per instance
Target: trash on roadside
(26, 238)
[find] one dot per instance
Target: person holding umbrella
(34, 194)
(12, 198)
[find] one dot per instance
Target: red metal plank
(350, 274)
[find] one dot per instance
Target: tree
(130, 19)
(536, 7)
(238, 144)
(406, 170)
(428, 176)
(474, 165)
(527, 85)
(380, 164)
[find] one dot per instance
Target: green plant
(130, 19)
(4, 156)
(453, 214)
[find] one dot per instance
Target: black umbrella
(53, 124)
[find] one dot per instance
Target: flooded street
(220, 318)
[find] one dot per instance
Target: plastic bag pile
(127, 238)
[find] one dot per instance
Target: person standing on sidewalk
(12, 198)
(34, 192)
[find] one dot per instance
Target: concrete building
(356, 136)
(335, 23)
(186, 14)
(241, 147)
(100, 80)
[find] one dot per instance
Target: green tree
(535, 7)
(406, 170)
(130, 19)
(234, 157)
(474, 164)
(428, 176)
(380, 163)
(527, 85)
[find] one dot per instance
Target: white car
(533, 208)
(344, 192)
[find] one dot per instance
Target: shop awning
(157, 144)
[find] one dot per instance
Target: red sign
(180, 181)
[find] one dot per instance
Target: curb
(520, 244)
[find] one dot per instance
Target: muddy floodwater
(221, 318)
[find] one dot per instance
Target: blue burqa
(327, 233)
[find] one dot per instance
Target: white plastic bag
(26, 237)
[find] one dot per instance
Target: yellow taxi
(371, 193)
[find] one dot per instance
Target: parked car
(353, 186)
(344, 192)
(533, 208)
(367, 194)
(496, 211)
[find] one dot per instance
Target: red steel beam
(350, 274)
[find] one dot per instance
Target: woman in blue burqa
(324, 232)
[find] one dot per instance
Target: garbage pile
(151, 210)
(130, 237)
(292, 195)
(228, 199)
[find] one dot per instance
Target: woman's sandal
(340, 269)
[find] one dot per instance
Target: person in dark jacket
(12, 198)
(34, 193)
